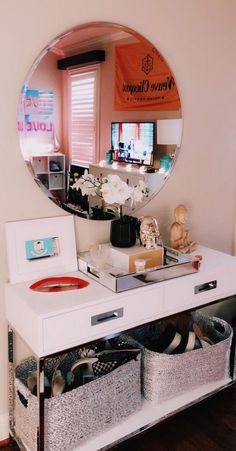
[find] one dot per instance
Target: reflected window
(83, 105)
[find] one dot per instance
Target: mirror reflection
(100, 99)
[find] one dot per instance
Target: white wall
(197, 38)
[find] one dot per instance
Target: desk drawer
(197, 289)
(72, 328)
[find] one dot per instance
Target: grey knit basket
(166, 376)
(79, 414)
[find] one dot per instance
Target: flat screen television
(133, 142)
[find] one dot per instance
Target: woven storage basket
(78, 414)
(166, 376)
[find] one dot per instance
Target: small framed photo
(40, 248)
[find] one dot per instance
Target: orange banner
(143, 81)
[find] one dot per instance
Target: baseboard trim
(4, 427)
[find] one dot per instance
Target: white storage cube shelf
(40, 164)
(52, 180)
(56, 180)
(60, 159)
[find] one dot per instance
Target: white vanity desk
(49, 323)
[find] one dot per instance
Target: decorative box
(125, 257)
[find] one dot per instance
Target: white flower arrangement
(112, 189)
(87, 183)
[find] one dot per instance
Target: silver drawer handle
(107, 316)
(205, 287)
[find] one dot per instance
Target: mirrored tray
(175, 265)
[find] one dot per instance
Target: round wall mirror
(99, 100)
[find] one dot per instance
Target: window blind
(84, 95)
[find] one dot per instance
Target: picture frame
(22, 235)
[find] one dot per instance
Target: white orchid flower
(137, 196)
(139, 192)
(114, 190)
(88, 184)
